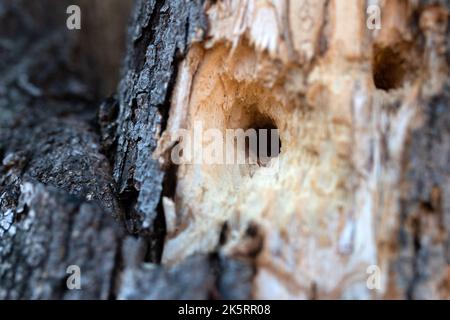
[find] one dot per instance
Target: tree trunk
(355, 204)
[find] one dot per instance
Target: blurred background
(93, 53)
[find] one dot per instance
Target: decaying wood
(355, 109)
(57, 198)
(362, 178)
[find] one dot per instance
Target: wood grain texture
(362, 177)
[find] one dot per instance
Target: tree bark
(361, 183)
(59, 203)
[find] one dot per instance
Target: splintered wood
(323, 221)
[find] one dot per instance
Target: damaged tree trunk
(354, 205)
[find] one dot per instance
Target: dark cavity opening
(268, 142)
(389, 68)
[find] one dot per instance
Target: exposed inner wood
(345, 100)
(353, 201)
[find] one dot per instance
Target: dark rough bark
(47, 137)
(159, 35)
(59, 205)
(190, 280)
(198, 277)
(424, 237)
(48, 232)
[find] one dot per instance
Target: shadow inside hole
(268, 142)
(389, 68)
